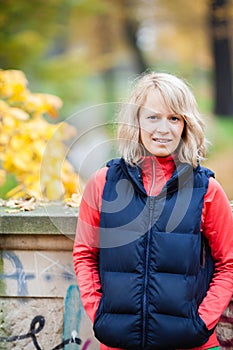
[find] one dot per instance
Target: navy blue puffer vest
(155, 266)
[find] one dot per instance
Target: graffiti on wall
(36, 326)
(73, 318)
(42, 270)
(58, 280)
(18, 273)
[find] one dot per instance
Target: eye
(175, 118)
(152, 117)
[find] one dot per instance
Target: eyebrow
(158, 113)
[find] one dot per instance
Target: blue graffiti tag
(19, 274)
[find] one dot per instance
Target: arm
(217, 226)
(86, 251)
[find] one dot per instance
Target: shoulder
(205, 172)
(97, 180)
(99, 175)
(215, 191)
(202, 176)
(115, 162)
(216, 202)
(94, 188)
(116, 168)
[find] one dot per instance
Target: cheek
(142, 135)
(143, 131)
(145, 135)
(146, 128)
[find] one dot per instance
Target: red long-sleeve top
(216, 226)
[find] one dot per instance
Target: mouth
(159, 140)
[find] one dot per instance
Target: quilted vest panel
(155, 266)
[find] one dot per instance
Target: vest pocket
(172, 332)
(202, 331)
(97, 326)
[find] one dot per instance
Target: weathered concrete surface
(19, 313)
(225, 328)
(37, 273)
(50, 218)
(37, 280)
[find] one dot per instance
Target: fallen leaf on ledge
(74, 201)
(17, 205)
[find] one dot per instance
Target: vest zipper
(144, 302)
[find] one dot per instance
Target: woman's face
(160, 128)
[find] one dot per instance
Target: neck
(156, 172)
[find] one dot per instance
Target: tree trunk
(221, 45)
(130, 30)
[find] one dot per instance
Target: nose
(162, 126)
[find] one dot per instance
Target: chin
(161, 154)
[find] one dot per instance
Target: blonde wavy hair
(179, 98)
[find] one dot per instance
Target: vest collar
(181, 173)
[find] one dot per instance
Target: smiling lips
(159, 140)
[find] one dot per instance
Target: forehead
(155, 102)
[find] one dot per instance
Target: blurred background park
(87, 53)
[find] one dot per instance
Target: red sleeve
(86, 251)
(217, 226)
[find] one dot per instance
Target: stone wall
(40, 306)
(38, 291)
(225, 328)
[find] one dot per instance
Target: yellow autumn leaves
(31, 148)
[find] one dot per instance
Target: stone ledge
(50, 219)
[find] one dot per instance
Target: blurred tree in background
(87, 51)
(221, 13)
(63, 44)
(31, 149)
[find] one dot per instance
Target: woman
(153, 254)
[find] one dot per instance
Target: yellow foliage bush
(30, 147)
